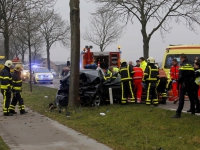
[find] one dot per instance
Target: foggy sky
(131, 43)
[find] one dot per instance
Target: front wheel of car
(97, 101)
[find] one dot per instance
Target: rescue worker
(137, 81)
(197, 83)
(186, 83)
(6, 86)
(151, 78)
(143, 63)
(17, 89)
(112, 74)
(137, 63)
(174, 74)
(126, 72)
(161, 85)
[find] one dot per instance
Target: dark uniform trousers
(162, 82)
(17, 98)
(127, 91)
(152, 96)
(186, 87)
(6, 100)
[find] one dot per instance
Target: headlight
(51, 76)
(24, 73)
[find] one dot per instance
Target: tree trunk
(145, 42)
(74, 100)
(23, 57)
(6, 42)
(48, 55)
(29, 48)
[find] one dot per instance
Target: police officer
(151, 78)
(6, 86)
(126, 72)
(17, 89)
(186, 84)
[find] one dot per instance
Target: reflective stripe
(4, 87)
(1, 77)
(17, 81)
(132, 95)
(125, 79)
(154, 79)
(148, 101)
(17, 88)
(123, 99)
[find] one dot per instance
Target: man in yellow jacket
(143, 63)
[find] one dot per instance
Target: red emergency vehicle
(104, 59)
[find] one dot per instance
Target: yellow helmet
(18, 67)
(8, 63)
(119, 47)
(151, 60)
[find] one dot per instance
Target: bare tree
(53, 30)
(104, 29)
(74, 100)
(38, 51)
(1, 45)
(161, 12)
(9, 10)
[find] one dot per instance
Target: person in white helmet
(151, 77)
(6, 85)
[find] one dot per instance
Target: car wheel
(34, 81)
(97, 101)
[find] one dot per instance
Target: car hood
(43, 74)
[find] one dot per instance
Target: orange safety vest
(174, 72)
(162, 73)
(138, 73)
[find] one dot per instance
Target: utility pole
(74, 100)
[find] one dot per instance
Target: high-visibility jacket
(197, 76)
(143, 65)
(162, 73)
(16, 81)
(113, 76)
(126, 72)
(174, 72)
(151, 73)
(138, 73)
(186, 74)
(6, 79)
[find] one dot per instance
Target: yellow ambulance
(174, 51)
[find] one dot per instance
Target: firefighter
(161, 85)
(186, 83)
(137, 81)
(151, 78)
(143, 63)
(112, 74)
(17, 89)
(126, 72)
(174, 73)
(6, 86)
(137, 63)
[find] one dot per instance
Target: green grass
(130, 127)
(3, 145)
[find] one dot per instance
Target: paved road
(33, 131)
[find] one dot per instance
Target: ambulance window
(170, 57)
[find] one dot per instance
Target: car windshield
(170, 57)
(41, 70)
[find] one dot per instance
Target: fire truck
(15, 61)
(92, 60)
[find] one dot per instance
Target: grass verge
(3, 145)
(130, 127)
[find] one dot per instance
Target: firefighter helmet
(18, 67)
(151, 60)
(8, 63)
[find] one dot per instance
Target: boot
(189, 110)
(163, 101)
(177, 115)
(8, 114)
(23, 112)
(12, 112)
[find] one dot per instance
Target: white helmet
(8, 63)
(151, 60)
